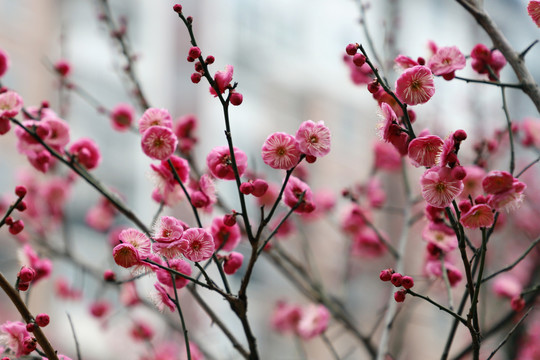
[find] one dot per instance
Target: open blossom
(280, 151)
(314, 321)
(219, 162)
(168, 229)
(222, 79)
(366, 243)
(480, 215)
(14, 335)
(497, 182)
(58, 135)
(387, 157)
(472, 183)
(86, 152)
(200, 244)
(533, 9)
(446, 61)
(154, 117)
(225, 237)
(415, 85)
(313, 138)
(122, 116)
(159, 142)
(423, 150)
(165, 176)
(10, 104)
(439, 187)
(506, 192)
(134, 248)
(293, 191)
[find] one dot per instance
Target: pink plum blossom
(200, 244)
(184, 128)
(285, 317)
(313, 138)
(472, 183)
(439, 187)
(58, 135)
(182, 266)
(404, 62)
(161, 298)
(154, 117)
(415, 85)
(359, 74)
(222, 79)
(446, 61)
(281, 151)
(314, 321)
(225, 237)
(122, 116)
(433, 268)
(423, 150)
(507, 285)
(533, 9)
(86, 152)
(366, 243)
(219, 162)
(294, 189)
(10, 104)
(14, 335)
(42, 266)
(478, 216)
(531, 132)
(159, 142)
(232, 262)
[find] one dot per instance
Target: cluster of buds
(486, 61)
(41, 320)
(16, 226)
(257, 187)
(398, 280)
(25, 276)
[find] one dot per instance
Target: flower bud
(42, 320)
(195, 78)
(16, 227)
(359, 59)
(246, 188)
(177, 8)
(26, 274)
(407, 282)
(396, 279)
(259, 187)
(399, 295)
(20, 191)
(109, 275)
(351, 49)
(194, 52)
(386, 274)
(236, 98)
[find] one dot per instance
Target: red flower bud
(42, 320)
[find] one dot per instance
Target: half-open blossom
(179, 265)
(439, 187)
(159, 142)
(314, 321)
(280, 151)
(225, 237)
(497, 182)
(161, 298)
(10, 104)
(222, 80)
(125, 255)
(200, 244)
(184, 128)
(313, 138)
(219, 162)
(533, 9)
(478, 216)
(122, 116)
(58, 135)
(508, 200)
(484, 60)
(86, 152)
(415, 85)
(232, 262)
(423, 150)
(4, 62)
(136, 238)
(154, 117)
(446, 61)
(296, 189)
(404, 62)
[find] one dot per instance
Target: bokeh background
(288, 61)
